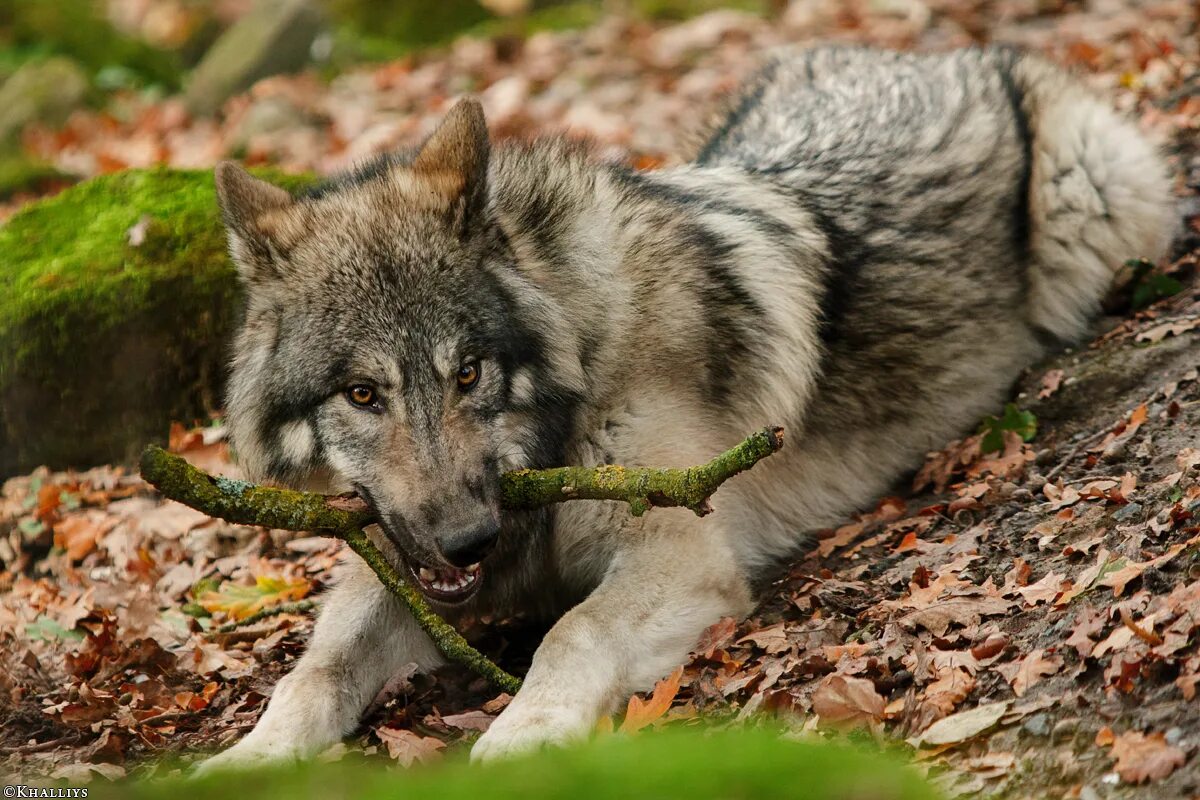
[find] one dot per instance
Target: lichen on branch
(641, 487)
(346, 516)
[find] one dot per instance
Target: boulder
(117, 299)
(275, 37)
(40, 91)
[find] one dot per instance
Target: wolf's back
(971, 158)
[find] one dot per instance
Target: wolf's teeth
(473, 568)
(427, 575)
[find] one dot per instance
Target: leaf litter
(1026, 616)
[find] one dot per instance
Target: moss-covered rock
(116, 302)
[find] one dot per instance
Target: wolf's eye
(468, 375)
(361, 395)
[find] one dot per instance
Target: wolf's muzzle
(470, 546)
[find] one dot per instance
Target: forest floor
(1026, 620)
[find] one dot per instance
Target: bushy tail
(1099, 195)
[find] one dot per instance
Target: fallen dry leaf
(1044, 590)
(1030, 670)
(965, 611)
(772, 639)
(1157, 333)
(1050, 383)
(1120, 577)
(78, 534)
(239, 601)
(961, 726)
(470, 720)
(641, 713)
(715, 636)
(409, 748)
(840, 699)
(1143, 758)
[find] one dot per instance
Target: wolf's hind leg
(363, 637)
(1099, 194)
(669, 581)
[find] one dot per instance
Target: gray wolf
(867, 249)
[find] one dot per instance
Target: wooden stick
(345, 516)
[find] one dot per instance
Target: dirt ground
(1024, 621)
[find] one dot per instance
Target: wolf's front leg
(674, 578)
(363, 637)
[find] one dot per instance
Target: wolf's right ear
(251, 209)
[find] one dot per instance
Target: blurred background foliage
(59, 55)
(120, 48)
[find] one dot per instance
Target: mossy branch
(641, 487)
(345, 516)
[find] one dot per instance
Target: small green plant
(45, 628)
(1022, 423)
(1149, 286)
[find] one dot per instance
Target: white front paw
(249, 753)
(523, 728)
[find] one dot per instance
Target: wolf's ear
(453, 162)
(250, 208)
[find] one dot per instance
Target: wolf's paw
(246, 755)
(522, 729)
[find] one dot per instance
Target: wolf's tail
(1098, 195)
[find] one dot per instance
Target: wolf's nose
(469, 547)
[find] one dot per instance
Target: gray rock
(43, 91)
(275, 37)
(1132, 511)
(268, 115)
(1037, 725)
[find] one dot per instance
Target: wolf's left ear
(453, 162)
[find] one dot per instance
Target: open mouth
(446, 584)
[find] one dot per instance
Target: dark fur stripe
(683, 199)
(848, 255)
(731, 313)
(732, 120)
(1016, 99)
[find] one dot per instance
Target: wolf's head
(382, 348)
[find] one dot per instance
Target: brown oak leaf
(841, 699)
(1142, 758)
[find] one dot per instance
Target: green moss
(687, 764)
(382, 29)
(557, 17)
(19, 174)
(676, 10)
(103, 343)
